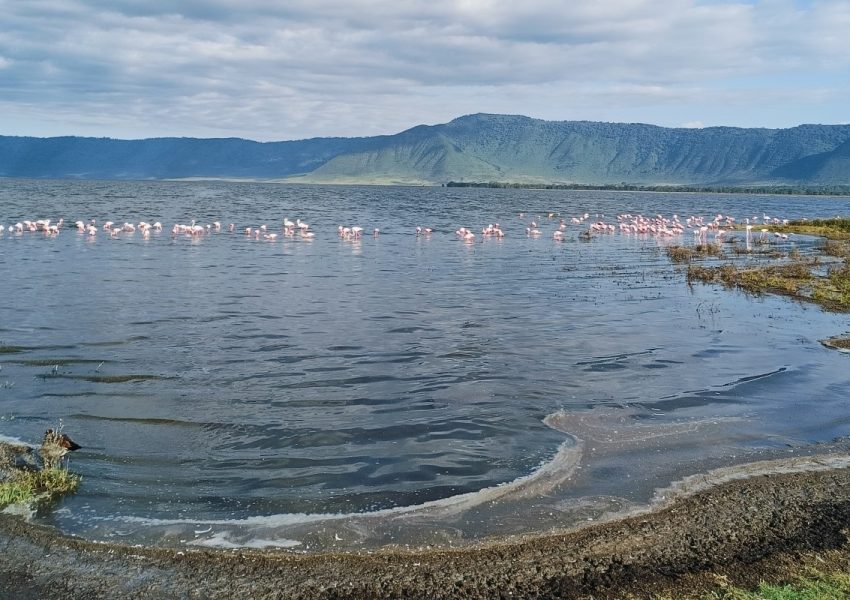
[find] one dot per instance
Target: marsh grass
(26, 487)
(793, 279)
(833, 291)
(796, 277)
(837, 248)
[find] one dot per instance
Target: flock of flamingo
(658, 226)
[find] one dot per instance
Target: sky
(293, 69)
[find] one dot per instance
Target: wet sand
(774, 521)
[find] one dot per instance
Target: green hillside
(519, 149)
(474, 148)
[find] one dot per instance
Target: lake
(317, 393)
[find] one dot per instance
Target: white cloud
(271, 70)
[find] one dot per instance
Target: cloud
(271, 70)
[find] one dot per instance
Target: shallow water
(228, 390)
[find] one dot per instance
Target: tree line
(795, 190)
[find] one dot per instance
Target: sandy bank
(746, 528)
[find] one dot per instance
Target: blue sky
(271, 70)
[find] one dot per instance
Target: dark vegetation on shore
(785, 190)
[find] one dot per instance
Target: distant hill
(478, 148)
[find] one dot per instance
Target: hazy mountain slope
(159, 158)
(479, 147)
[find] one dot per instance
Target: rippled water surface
(223, 384)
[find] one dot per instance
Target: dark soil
(766, 527)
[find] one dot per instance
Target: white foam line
(693, 484)
(538, 482)
(221, 540)
(13, 441)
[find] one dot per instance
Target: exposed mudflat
(775, 520)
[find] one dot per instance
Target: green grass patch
(813, 586)
(833, 229)
(26, 487)
(819, 586)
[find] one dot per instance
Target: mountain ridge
(477, 147)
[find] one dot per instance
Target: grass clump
(680, 254)
(684, 254)
(709, 250)
(27, 487)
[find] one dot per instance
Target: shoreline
(382, 183)
(745, 523)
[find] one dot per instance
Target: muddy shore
(763, 526)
